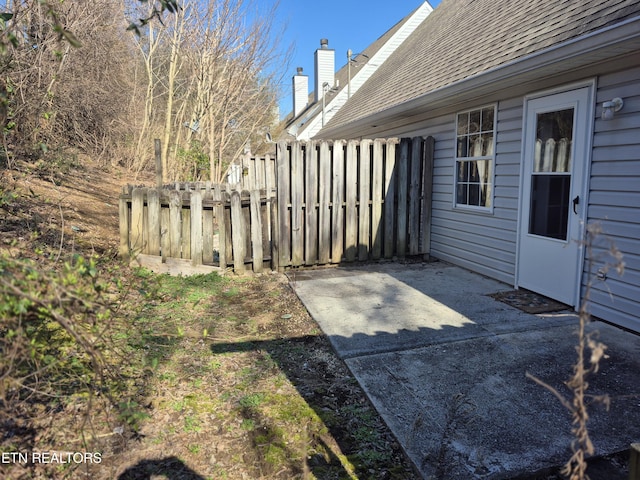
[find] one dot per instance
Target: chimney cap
(324, 42)
(299, 70)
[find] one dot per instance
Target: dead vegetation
(206, 377)
(589, 353)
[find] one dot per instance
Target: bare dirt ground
(75, 205)
(260, 394)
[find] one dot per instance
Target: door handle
(576, 201)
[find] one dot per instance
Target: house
(332, 89)
(534, 106)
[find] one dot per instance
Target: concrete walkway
(445, 365)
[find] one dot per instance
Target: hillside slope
(203, 377)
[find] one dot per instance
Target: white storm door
(552, 208)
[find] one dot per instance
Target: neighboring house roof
(363, 65)
(465, 39)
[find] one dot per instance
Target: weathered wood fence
(344, 201)
(182, 229)
(252, 173)
(329, 203)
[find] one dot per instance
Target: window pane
(474, 194)
(485, 195)
(549, 205)
(474, 175)
(463, 123)
(463, 171)
(462, 194)
(475, 146)
(487, 144)
(487, 119)
(462, 147)
(474, 121)
(484, 171)
(563, 156)
(553, 143)
(475, 139)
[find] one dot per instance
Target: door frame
(586, 174)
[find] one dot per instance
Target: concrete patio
(445, 365)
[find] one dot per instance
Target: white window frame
(491, 158)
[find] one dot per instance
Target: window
(475, 140)
(551, 176)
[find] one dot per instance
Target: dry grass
(218, 377)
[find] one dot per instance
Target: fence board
(415, 183)
(247, 173)
(259, 180)
(125, 225)
(284, 198)
(337, 212)
(376, 200)
(275, 240)
(165, 239)
(137, 218)
(401, 208)
(208, 222)
(153, 218)
(390, 201)
(364, 193)
(270, 176)
(185, 232)
(310, 211)
(270, 185)
(227, 221)
(195, 221)
(264, 204)
(351, 197)
(297, 214)
(256, 231)
(324, 204)
(427, 199)
(246, 213)
(175, 224)
(237, 232)
(220, 225)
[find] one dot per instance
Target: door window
(551, 176)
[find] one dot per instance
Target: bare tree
(72, 77)
(215, 79)
(58, 93)
(147, 45)
(174, 66)
(237, 94)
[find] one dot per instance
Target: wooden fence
(196, 230)
(252, 173)
(344, 201)
(332, 202)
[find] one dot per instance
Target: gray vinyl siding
(614, 202)
(484, 242)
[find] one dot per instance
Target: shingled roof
(464, 38)
(370, 57)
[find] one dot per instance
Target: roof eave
(340, 96)
(619, 39)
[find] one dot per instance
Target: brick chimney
(300, 92)
(325, 68)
